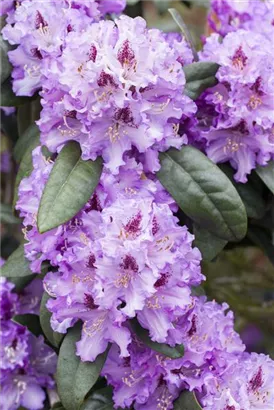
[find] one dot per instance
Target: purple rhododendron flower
(123, 255)
(242, 104)
(231, 15)
(152, 379)
(27, 364)
(246, 385)
(117, 85)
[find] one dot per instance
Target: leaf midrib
(200, 188)
(58, 193)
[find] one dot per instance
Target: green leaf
(199, 77)
(31, 134)
(253, 201)
(203, 192)
(16, 269)
(75, 378)
(186, 33)
(70, 185)
(30, 321)
(16, 265)
(166, 350)
(7, 216)
(5, 64)
(208, 244)
(58, 406)
(186, 401)
(267, 175)
(262, 239)
(26, 166)
(54, 338)
(8, 98)
(100, 400)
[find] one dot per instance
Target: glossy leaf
(7, 216)
(162, 348)
(30, 321)
(203, 192)
(57, 406)
(70, 185)
(54, 338)
(101, 400)
(186, 401)
(267, 175)
(253, 201)
(199, 77)
(75, 378)
(8, 98)
(5, 64)
(30, 135)
(25, 167)
(208, 244)
(16, 269)
(186, 33)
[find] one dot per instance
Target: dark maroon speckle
(89, 301)
(129, 263)
(126, 54)
(39, 20)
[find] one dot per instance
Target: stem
(180, 22)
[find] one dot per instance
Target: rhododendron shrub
(138, 162)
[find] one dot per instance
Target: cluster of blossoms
(214, 367)
(226, 16)
(31, 25)
(242, 104)
(110, 85)
(236, 120)
(123, 255)
(117, 86)
(27, 364)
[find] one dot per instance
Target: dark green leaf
(58, 406)
(173, 352)
(17, 270)
(7, 216)
(70, 185)
(267, 175)
(75, 378)
(199, 77)
(25, 167)
(208, 244)
(100, 400)
(16, 265)
(31, 134)
(9, 126)
(5, 64)
(186, 401)
(30, 321)
(203, 192)
(253, 201)
(53, 337)
(262, 239)
(8, 98)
